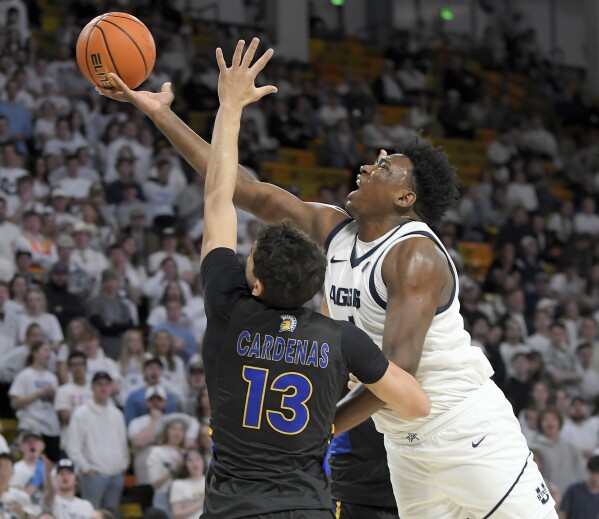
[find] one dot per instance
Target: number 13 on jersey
(296, 390)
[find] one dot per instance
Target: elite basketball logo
(100, 71)
(289, 323)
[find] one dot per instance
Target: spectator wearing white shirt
(91, 261)
(580, 429)
(35, 312)
(74, 184)
(159, 192)
(587, 221)
(561, 224)
(411, 79)
(156, 285)
(29, 470)
(65, 141)
(127, 137)
(537, 139)
(60, 492)
(14, 503)
(59, 208)
(98, 441)
(9, 232)
(331, 112)
(32, 396)
(169, 244)
(9, 315)
(502, 149)
(71, 395)
(166, 458)
(44, 127)
(520, 192)
(560, 361)
(589, 386)
(97, 361)
(188, 492)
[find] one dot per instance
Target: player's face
(379, 185)
(65, 480)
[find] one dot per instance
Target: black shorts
(342, 510)
(296, 514)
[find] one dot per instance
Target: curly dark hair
(290, 265)
(436, 182)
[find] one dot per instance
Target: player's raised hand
(148, 102)
(236, 83)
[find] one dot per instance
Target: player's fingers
(250, 53)
(220, 60)
(167, 87)
(238, 52)
(119, 83)
(265, 90)
(261, 63)
(353, 378)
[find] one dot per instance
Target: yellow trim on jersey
(338, 510)
(247, 396)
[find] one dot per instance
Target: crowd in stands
(101, 309)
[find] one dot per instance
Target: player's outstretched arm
(236, 89)
(397, 389)
(266, 201)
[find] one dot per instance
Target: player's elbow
(421, 406)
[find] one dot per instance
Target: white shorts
(476, 466)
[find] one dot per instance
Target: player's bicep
(272, 204)
(414, 278)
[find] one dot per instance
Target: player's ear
(405, 198)
(257, 288)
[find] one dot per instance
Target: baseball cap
(6, 456)
(59, 192)
(64, 240)
(29, 433)
(65, 463)
(152, 360)
(546, 303)
(101, 375)
(20, 252)
(60, 267)
(168, 231)
(155, 391)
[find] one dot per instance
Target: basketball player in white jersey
(390, 275)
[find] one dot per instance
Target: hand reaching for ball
(236, 83)
(149, 103)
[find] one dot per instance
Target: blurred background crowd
(101, 311)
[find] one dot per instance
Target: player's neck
(371, 228)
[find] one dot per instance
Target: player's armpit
(415, 275)
(402, 393)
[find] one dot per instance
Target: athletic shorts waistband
(431, 428)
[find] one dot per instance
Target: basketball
(119, 43)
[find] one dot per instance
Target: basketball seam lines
(109, 53)
(134, 43)
(113, 15)
(87, 46)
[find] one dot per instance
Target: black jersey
(274, 378)
(359, 471)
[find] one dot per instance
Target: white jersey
(450, 367)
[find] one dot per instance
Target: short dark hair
(76, 354)
(593, 464)
(435, 180)
(290, 265)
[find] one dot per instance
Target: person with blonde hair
(166, 458)
(131, 362)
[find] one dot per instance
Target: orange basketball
(116, 42)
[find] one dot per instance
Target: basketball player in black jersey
(274, 369)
